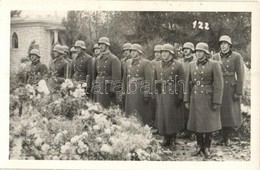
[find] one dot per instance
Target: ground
(238, 151)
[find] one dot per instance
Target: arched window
(14, 41)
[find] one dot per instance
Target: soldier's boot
(199, 147)
(220, 137)
(192, 137)
(226, 136)
(166, 141)
(207, 153)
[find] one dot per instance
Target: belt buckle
(198, 83)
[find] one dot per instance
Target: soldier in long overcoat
(188, 52)
(169, 83)
(82, 67)
(108, 75)
(203, 96)
(96, 53)
(66, 56)
(125, 56)
(59, 66)
(137, 80)
(157, 58)
(37, 70)
(233, 73)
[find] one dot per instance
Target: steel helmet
(157, 48)
(36, 52)
(58, 48)
(104, 40)
(188, 45)
(127, 46)
(167, 47)
(201, 46)
(65, 48)
(225, 38)
(137, 47)
(96, 46)
(80, 44)
(73, 49)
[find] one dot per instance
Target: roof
(17, 22)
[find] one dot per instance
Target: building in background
(43, 30)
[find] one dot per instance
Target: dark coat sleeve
(90, 69)
(181, 81)
(116, 73)
(149, 77)
(218, 83)
(240, 72)
(187, 89)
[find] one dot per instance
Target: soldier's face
(74, 55)
(187, 51)
(134, 54)
(166, 55)
(79, 50)
(97, 51)
(224, 46)
(33, 57)
(102, 47)
(126, 53)
(157, 54)
(55, 54)
(200, 54)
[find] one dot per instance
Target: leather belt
(227, 74)
(199, 83)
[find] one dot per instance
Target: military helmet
(188, 45)
(225, 38)
(36, 52)
(96, 46)
(58, 48)
(127, 46)
(137, 47)
(157, 48)
(65, 48)
(168, 47)
(201, 46)
(73, 49)
(80, 44)
(104, 40)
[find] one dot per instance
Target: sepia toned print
(130, 85)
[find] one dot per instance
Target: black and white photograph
(132, 85)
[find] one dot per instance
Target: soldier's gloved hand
(236, 97)
(146, 99)
(216, 106)
(187, 105)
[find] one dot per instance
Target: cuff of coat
(147, 95)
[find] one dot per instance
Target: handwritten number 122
(201, 25)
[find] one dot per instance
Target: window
(14, 41)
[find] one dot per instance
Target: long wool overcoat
(138, 79)
(203, 88)
(108, 78)
(169, 83)
(233, 74)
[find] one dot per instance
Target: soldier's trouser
(153, 110)
(204, 140)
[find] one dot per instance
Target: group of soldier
(200, 92)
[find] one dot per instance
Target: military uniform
(36, 73)
(138, 71)
(59, 69)
(82, 68)
(169, 117)
(107, 73)
(233, 74)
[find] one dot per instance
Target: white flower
(96, 128)
(65, 132)
(58, 139)
(45, 148)
(38, 142)
(75, 139)
(85, 113)
(99, 139)
(106, 148)
(42, 87)
(85, 134)
(65, 149)
(107, 131)
(55, 158)
(63, 86)
(84, 85)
